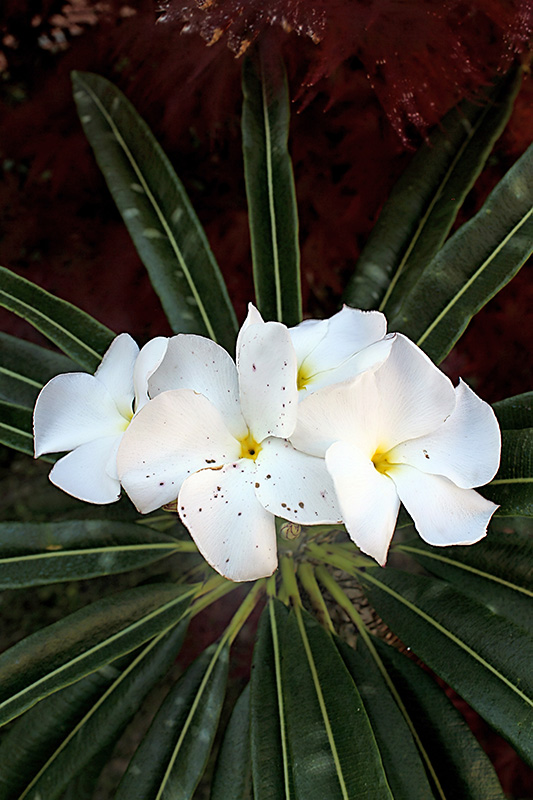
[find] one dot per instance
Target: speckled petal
(294, 485)
(232, 530)
(172, 437)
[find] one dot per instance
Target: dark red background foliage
(368, 79)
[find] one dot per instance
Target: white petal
(83, 472)
(465, 449)
(194, 362)
(368, 359)
(147, 362)
(266, 362)
(306, 337)
(116, 372)
(294, 485)
(416, 396)
(171, 437)
(232, 530)
(73, 409)
(252, 318)
(349, 331)
(443, 513)
(368, 499)
(349, 412)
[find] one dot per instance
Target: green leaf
(334, 752)
(498, 571)
(16, 427)
(515, 412)
(171, 758)
(405, 771)
(77, 334)
(423, 205)
(512, 487)
(233, 772)
(461, 766)
(156, 210)
(483, 656)
(271, 765)
(39, 553)
(272, 210)
(25, 368)
(84, 641)
(98, 726)
(28, 744)
(474, 264)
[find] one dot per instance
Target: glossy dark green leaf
(461, 767)
(77, 334)
(474, 264)
(232, 779)
(498, 571)
(171, 758)
(403, 766)
(334, 752)
(28, 744)
(483, 656)
(16, 427)
(84, 641)
(99, 726)
(423, 205)
(25, 368)
(515, 412)
(271, 764)
(272, 210)
(512, 487)
(49, 552)
(157, 212)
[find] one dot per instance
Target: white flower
(214, 437)
(88, 414)
(340, 348)
(403, 433)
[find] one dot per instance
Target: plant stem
(308, 581)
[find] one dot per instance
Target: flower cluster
(331, 421)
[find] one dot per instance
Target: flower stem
(288, 579)
(308, 581)
(244, 611)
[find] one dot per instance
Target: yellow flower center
(304, 377)
(381, 461)
(249, 447)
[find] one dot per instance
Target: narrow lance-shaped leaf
(77, 334)
(171, 758)
(154, 205)
(16, 427)
(401, 760)
(498, 571)
(424, 203)
(84, 641)
(270, 189)
(100, 725)
(461, 766)
(233, 771)
(482, 655)
(515, 412)
(46, 552)
(474, 264)
(512, 487)
(271, 764)
(25, 368)
(334, 751)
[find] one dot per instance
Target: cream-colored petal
(368, 500)
(465, 448)
(232, 530)
(172, 437)
(443, 513)
(294, 485)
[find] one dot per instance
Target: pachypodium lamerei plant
(285, 470)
